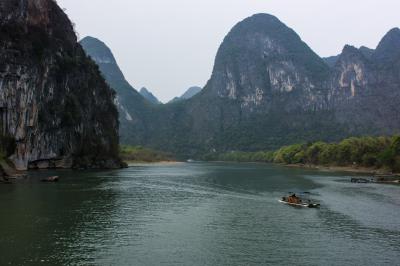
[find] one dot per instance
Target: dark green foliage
(141, 154)
(40, 42)
(390, 157)
(291, 154)
(71, 111)
(377, 152)
(7, 145)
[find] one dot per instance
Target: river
(197, 214)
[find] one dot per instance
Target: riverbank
(325, 168)
(8, 171)
(350, 169)
(138, 154)
(363, 154)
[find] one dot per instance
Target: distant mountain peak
(189, 93)
(350, 51)
(389, 47)
(262, 18)
(149, 96)
(331, 60)
(144, 90)
(132, 106)
(272, 58)
(192, 91)
(367, 52)
(98, 50)
(395, 32)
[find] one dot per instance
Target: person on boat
(294, 199)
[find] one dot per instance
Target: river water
(197, 214)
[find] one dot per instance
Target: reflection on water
(197, 214)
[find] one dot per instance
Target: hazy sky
(170, 45)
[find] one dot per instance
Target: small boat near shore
(296, 201)
(361, 180)
(379, 179)
(50, 179)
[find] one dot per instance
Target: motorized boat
(296, 201)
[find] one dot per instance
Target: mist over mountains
(268, 89)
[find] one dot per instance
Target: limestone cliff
(134, 109)
(366, 87)
(261, 61)
(268, 89)
(53, 99)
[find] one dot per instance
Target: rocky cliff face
(262, 61)
(366, 87)
(53, 100)
(134, 109)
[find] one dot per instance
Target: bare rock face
(53, 99)
(351, 74)
(366, 87)
(134, 109)
(261, 61)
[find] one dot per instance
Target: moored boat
(361, 180)
(50, 179)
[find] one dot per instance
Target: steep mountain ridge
(367, 87)
(149, 96)
(133, 108)
(389, 47)
(262, 57)
(189, 93)
(53, 100)
(269, 89)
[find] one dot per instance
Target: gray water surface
(197, 214)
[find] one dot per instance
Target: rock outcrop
(366, 87)
(53, 99)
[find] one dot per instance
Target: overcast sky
(170, 45)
